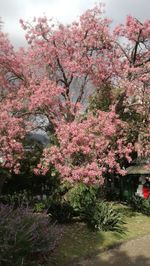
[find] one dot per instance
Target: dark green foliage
(62, 212)
(28, 190)
(70, 202)
(140, 205)
(26, 180)
(103, 216)
(25, 237)
(4, 175)
(16, 199)
(25, 200)
(81, 196)
(102, 99)
(99, 215)
(78, 158)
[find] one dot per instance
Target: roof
(138, 169)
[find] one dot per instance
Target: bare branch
(134, 52)
(126, 55)
(143, 63)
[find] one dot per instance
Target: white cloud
(64, 11)
(118, 9)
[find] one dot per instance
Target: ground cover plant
(140, 205)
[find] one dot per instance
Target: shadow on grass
(111, 257)
(114, 258)
(126, 211)
(79, 242)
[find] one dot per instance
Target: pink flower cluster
(86, 150)
(61, 67)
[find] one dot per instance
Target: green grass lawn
(80, 242)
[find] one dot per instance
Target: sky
(64, 11)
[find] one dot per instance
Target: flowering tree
(88, 148)
(134, 81)
(53, 79)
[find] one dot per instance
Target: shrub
(25, 237)
(82, 201)
(81, 196)
(103, 216)
(25, 200)
(62, 212)
(39, 207)
(140, 205)
(16, 199)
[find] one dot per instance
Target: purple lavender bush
(25, 238)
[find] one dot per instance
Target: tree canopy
(53, 79)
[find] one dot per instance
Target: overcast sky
(64, 11)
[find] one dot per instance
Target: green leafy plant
(81, 196)
(103, 216)
(140, 205)
(39, 207)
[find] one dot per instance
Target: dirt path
(135, 252)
